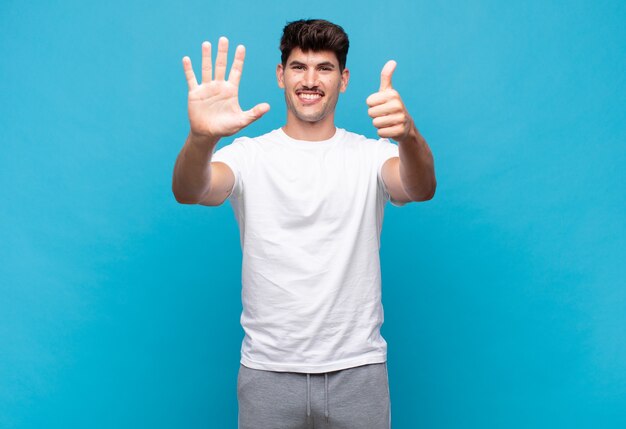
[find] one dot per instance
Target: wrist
(202, 140)
(412, 136)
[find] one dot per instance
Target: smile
(309, 97)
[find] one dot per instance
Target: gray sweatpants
(352, 398)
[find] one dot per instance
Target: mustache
(310, 89)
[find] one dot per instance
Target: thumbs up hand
(387, 110)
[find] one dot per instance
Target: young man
(309, 199)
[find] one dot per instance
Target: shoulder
(351, 136)
(251, 141)
(245, 149)
(372, 143)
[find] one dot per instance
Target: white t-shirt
(310, 215)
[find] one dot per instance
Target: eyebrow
(324, 64)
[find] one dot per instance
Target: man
(309, 199)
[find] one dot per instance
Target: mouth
(308, 96)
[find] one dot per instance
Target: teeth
(310, 96)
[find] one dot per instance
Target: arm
(214, 112)
(196, 179)
(411, 177)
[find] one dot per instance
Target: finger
(191, 77)
(385, 75)
(237, 68)
(220, 61)
(389, 120)
(387, 108)
(381, 97)
(391, 132)
(206, 62)
(256, 112)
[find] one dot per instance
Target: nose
(310, 78)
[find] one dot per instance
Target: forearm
(192, 171)
(417, 167)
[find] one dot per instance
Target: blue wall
(504, 296)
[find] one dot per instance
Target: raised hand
(387, 110)
(214, 110)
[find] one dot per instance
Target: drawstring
(326, 394)
(308, 395)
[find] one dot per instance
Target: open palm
(213, 105)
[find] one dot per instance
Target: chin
(311, 119)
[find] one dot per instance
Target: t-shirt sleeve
(386, 150)
(233, 155)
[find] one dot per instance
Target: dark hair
(314, 35)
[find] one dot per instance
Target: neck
(310, 131)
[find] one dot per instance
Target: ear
(280, 76)
(345, 77)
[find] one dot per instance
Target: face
(312, 83)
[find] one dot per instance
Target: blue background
(504, 296)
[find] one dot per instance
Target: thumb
(385, 75)
(256, 112)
